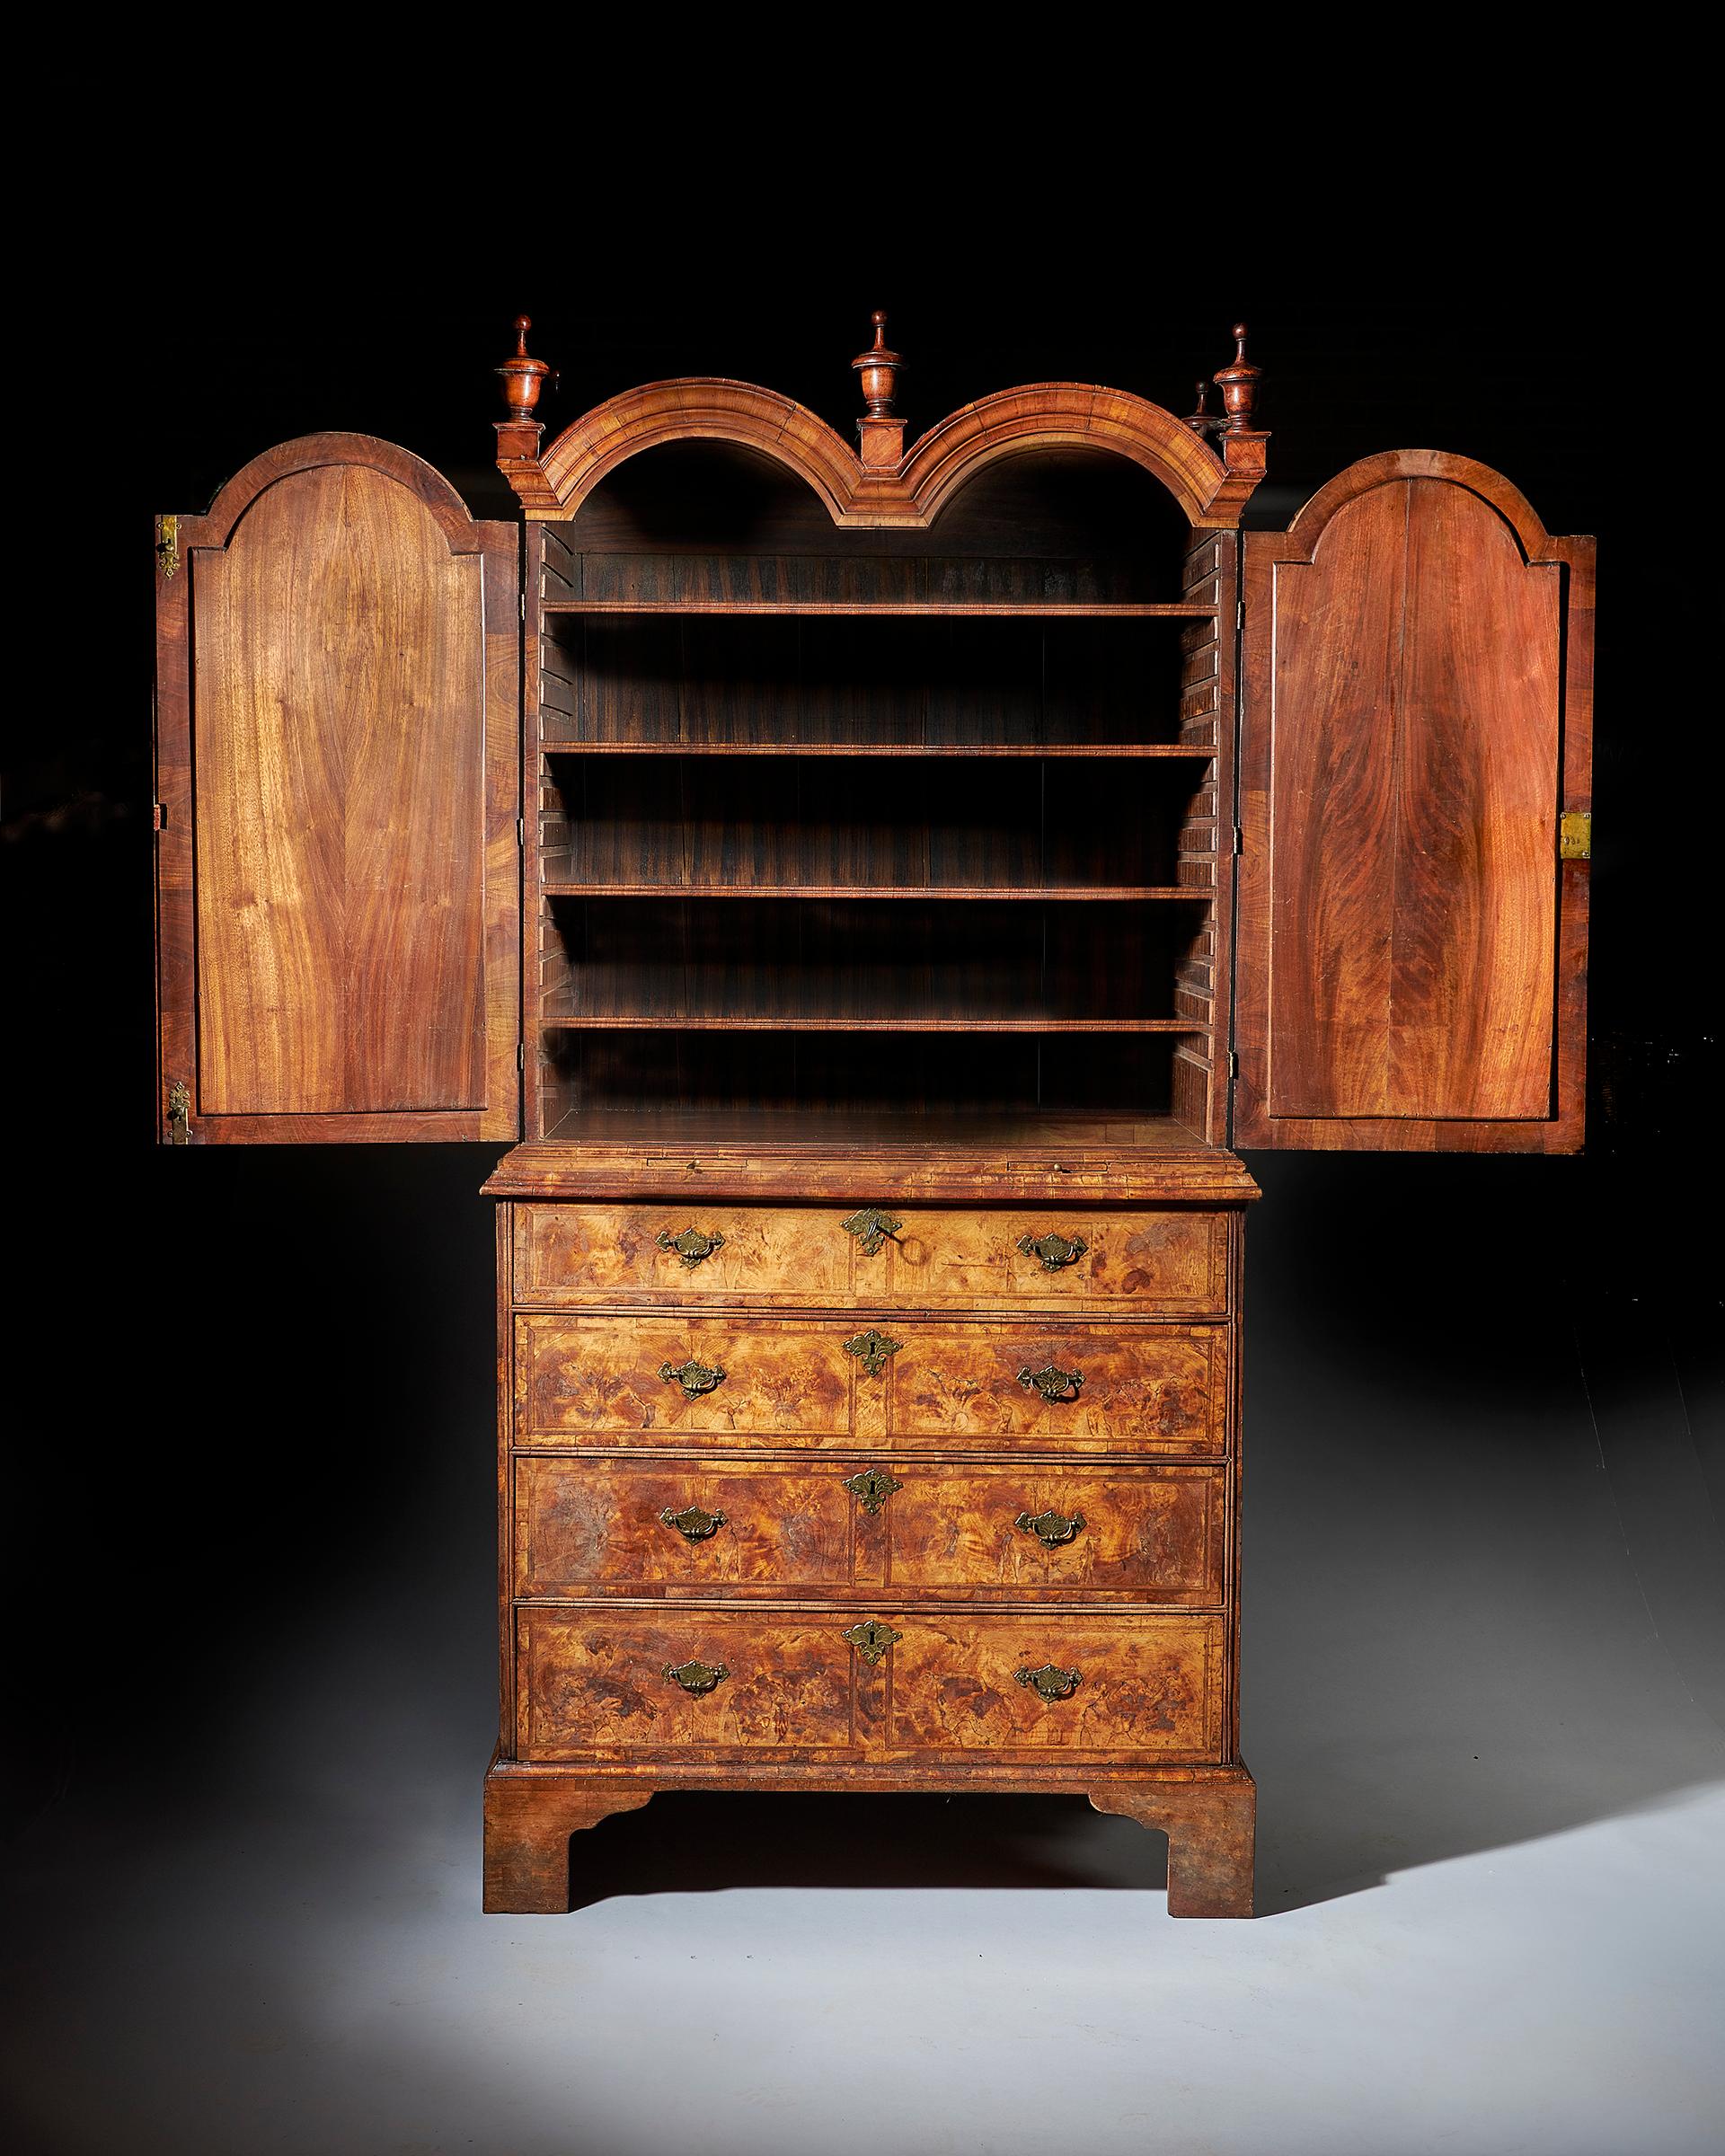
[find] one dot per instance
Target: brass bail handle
(695, 1378)
(697, 1678)
(1051, 1529)
(1050, 1682)
(1052, 1383)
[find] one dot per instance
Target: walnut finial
(878, 368)
(523, 378)
(1239, 385)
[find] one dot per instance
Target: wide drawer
(769, 1528)
(661, 1378)
(879, 1683)
(1170, 1261)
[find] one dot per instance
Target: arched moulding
(315, 452)
(1306, 529)
(1210, 490)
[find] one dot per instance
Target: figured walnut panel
(1172, 1263)
(338, 714)
(1157, 1534)
(594, 1679)
(591, 1526)
(583, 1525)
(1417, 714)
(595, 1381)
(1149, 1685)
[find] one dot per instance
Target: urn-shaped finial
(1239, 385)
(522, 377)
(878, 368)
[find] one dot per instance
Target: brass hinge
(179, 1113)
(520, 1055)
(520, 830)
(167, 544)
(1575, 834)
(1239, 839)
(158, 816)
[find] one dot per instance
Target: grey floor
(1483, 1703)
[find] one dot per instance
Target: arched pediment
(1210, 490)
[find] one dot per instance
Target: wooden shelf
(877, 748)
(960, 609)
(1202, 893)
(741, 1023)
(1058, 1140)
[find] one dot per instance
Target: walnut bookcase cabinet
(873, 888)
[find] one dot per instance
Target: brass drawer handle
(1050, 1528)
(1050, 1683)
(1051, 1383)
(691, 1524)
(874, 1351)
(872, 1487)
(871, 1227)
(697, 1678)
(1053, 1250)
(691, 1246)
(870, 1639)
(695, 1378)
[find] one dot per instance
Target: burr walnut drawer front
(768, 1528)
(665, 1378)
(1170, 1261)
(876, 1682)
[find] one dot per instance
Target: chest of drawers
(797, 1492)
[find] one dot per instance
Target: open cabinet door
(337, 761)
(1415, 753)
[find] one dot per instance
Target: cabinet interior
(914, 824)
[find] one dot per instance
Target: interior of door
(338, 780)
(1416, 735)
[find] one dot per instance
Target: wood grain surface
(1167, 1263)
(591, 1526)
(593, 1681)
(338, 744)
(1413, 722)
(596, 1380)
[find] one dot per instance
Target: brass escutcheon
(1050, 1528)
(691, 1524)
(871, 1638)
(695, 1378)
(1048, 1682)
(871, 1227)
(873, 1350)
(1053, 1250)
(1050, 1382)
(697, 1678)
(872, 1487)
(691, 1246)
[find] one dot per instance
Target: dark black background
(251, 1388)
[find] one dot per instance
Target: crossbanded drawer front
(661, 1378)
(879, 1683)
(1048, 1681)
(1041, 1529)
(603, 1678)
(1170, 1262)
